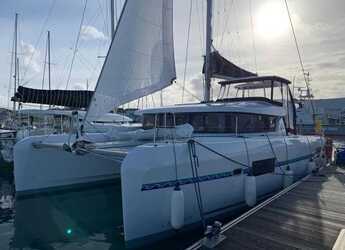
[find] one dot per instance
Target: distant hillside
(331, 103)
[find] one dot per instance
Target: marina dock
(310, 214)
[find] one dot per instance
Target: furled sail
(222, 68)
(140, 60)
(67, 98)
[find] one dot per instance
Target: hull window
(263, 166)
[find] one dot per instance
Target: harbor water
(83, 218)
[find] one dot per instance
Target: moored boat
(187, 163)
(241, 151)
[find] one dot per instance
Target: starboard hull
(148, 178)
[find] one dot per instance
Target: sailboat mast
(112, 22)
(17, 84)
(15, 76)
(48, 48)
(207, 86)
(48, 41)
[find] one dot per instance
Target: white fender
(288, 178)
(177, 208)
(250, 190)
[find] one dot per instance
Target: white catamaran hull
(148, 179)
(40, 163)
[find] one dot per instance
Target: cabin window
(197, 121)
(213, 122)
(253, 123)
(149, 121)
(278, 93)
(181, 118)
(230, 123)
(246, 123)
(163, 120)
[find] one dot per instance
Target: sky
(254, 34)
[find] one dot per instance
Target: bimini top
(256, 80)
(257, 85)
(252, 107)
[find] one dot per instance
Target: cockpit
(271, 89)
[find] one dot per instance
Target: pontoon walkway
(310, 214)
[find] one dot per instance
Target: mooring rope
(274, 154)
(194, 163)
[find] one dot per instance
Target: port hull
(41, 168)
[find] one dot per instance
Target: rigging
(76, 45)
(187, 48)
(253, 35)
(299, 56)
(40, 36)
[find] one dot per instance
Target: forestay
(140, 60)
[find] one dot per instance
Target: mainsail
(223, 68)
(140, 60)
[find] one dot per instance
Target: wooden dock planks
(310, 216)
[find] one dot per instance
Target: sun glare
(271, 20)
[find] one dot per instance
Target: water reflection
(84, 218)
(6, 209)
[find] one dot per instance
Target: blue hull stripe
(186, 181)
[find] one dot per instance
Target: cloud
(30, 57)
(79, 85)
(89, 32)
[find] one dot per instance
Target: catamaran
(187, 163)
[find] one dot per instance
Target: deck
(308, 215)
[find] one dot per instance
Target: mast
(15, 76)
(116, 17)
(17, 84)
(48, 51)
(161, 97)
(207, 86)
(48, 47)
(112, 23)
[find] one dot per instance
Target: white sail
(140, 60)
